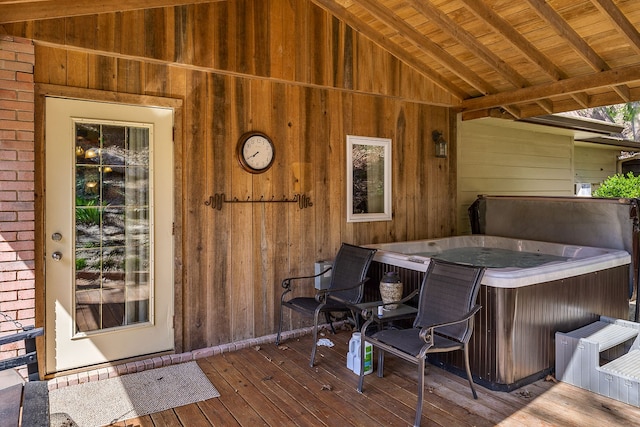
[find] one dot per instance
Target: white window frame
(384, 214)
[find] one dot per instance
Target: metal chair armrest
(426, 332)
(286, 283)
(368, 312)
(327, 292)
(406, 298)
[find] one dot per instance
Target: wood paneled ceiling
(506, 58)
(511, 57)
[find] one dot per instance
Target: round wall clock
(255, 152)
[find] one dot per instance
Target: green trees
(619, 185)
(626, 115)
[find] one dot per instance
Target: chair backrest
(448, 292)
(350, 268)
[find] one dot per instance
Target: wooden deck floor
(276, 387)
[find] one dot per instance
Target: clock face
(255, 152)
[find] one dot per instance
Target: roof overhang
(614, 142)
(576, 123)
(587, 130)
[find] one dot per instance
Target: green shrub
(619, 185)
(87, 212)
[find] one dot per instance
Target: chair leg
(356, 319)
(327, 316)
(315, 336)
(469, 377)
(416, 422)
(279, 326)
(361, 382)
(380, 363)
(362, 350)
(363, 337)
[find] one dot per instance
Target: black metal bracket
(218, 199)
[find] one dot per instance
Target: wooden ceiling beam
(426, 8)
(620, 22)
(446, 24)
(548, 90)
(623, 91)
(546, 105)
(363, 28)
(580, 46)
(502, 27)
(12, 11)
(423, 43)
(486, 14)
(512, 110)
(496, 113)
(581, 98)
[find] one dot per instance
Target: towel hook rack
(216, 201)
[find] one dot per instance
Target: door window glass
(112, 226)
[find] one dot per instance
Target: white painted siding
(499, 158)
(594, 164)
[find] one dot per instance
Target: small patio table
(369, 310)
(370, 315)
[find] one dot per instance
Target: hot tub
(557, 287)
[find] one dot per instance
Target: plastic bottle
(353, 356)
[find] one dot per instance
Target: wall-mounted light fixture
(441, 144)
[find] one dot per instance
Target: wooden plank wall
(286, 68)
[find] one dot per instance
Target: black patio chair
(348, 276)
(444, 322)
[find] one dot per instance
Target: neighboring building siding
(499, 158)
(17, 284)
(594, 164)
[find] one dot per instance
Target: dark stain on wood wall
(293, 71)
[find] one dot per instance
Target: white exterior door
(108, 232)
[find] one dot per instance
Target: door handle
(57, 256)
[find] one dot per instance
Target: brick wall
(17, 284)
